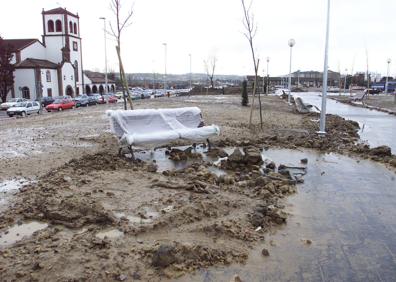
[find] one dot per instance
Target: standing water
(376, 128)
(342, 226)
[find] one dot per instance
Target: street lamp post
(165, 54)
(291, 43)
(190, 72)
(345, 80)
(322, 125)
(105, 47)
(268, 59)
(387, 75)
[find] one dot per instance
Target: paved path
(377, 128)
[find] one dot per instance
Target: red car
(60, 105)
(106, 98)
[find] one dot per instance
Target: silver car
(24, 108)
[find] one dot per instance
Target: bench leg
(131, 151)
(209, 145)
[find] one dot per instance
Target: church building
(53, 66)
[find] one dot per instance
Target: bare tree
(210, 67)
(116, 31)
(251, 29)
(6, 69)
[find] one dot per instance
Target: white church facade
(53, 67)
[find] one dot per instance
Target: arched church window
(70, 27)
(58, 25)
(48, 76)
(75, 28)
(51, 26)
(76, 70)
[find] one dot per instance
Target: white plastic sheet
(159, 126)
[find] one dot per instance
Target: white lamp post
(322, 125)
(105, 46)
(268, 59)
(165, 54)
(291, 43)
(345, 80)
(387, 75)
(190, 72)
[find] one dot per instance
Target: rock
(164, 256)
(261, 181)
(265, 252)
(304, 161)
(37, 266)
(381, 151)
(236, 278)
(67, 179)
(121, 277)
(253, 156)
(228, 180)
(217, 153)
(271, 165)
(152, 167)
(236, 156)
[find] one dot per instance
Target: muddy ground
(105, 218)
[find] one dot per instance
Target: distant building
(52, 67)
(298, 78)
(95, 82)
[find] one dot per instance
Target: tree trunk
(124, 81)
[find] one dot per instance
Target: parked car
(45, 101)
(61, 104)
(81, 101)
(84, 101)
(111, 98)
(24, 108)
(97, 97)
(108, 98)
(119, 94)
(11, 103)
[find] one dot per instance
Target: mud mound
(73, 212)
(174, 259)
(98, 161)
(180, 155)
(234, 228)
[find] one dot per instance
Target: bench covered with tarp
(155, 127)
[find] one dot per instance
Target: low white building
(95, 82)
(53, 67)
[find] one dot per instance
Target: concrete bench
(155, 127)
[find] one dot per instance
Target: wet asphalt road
(3, 115)
(376, 128)
(346, 208)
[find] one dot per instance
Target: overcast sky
(214, 27)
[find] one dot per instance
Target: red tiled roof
(97, 77)
(36, 63)
(59, 11)
(19, 44)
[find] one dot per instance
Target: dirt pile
(178, 258)
(182, 155)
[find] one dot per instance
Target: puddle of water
(110, 234)
(19, 232)
(12, 185)
(9, 188)
(377, 128)
(149, 216)
(163, 161)
(345, 207)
